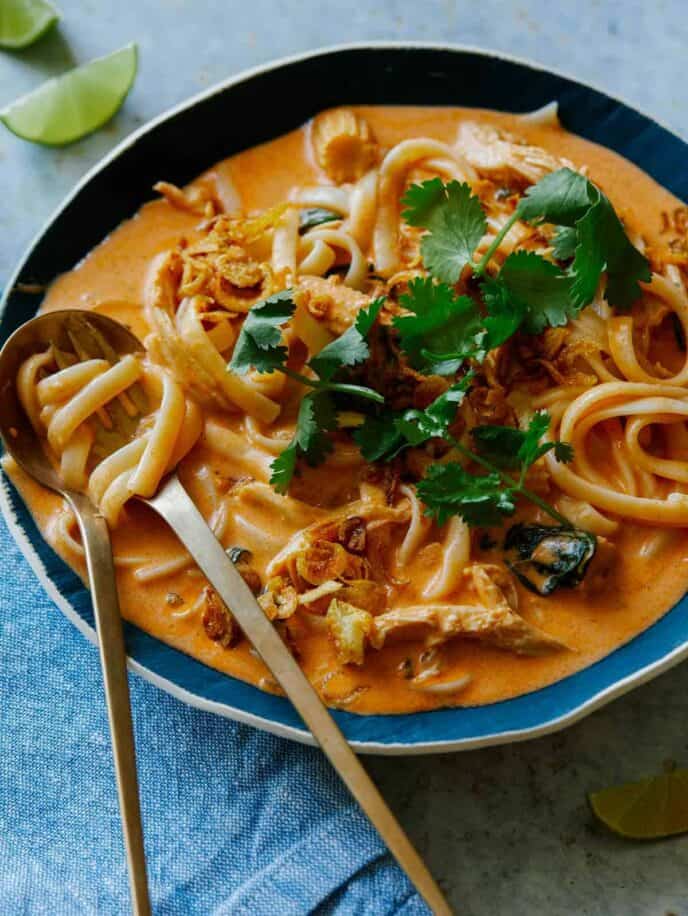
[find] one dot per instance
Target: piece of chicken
(493, 621)
(502, 156)
(330, 302)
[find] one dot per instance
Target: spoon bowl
(107, 338)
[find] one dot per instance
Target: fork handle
(113, 660)
(173, 503)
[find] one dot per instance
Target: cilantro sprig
(588, 227)
(456, 224)
(384, 436)
(260, 347)
(450, 489)
(484, 500)
(529, 292)
(441, 329)
(440, 323)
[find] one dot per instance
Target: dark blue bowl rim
(586, 111)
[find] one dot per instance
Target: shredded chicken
(329, 301)
(503, 156)
(493, 621)
(498, 626)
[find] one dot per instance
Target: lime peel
(68, 107)
(650, 809)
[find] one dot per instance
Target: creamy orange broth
(591, 624)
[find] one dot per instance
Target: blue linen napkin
(236, 821)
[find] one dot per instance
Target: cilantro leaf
(604, 246)
(389, 433)
(538, 288)
(510, 448)
(455, 222)
(504, 313)
(562, 197)
(443, 330)
(564, 243)
(317, 416)
(258, 344)
(530, 449)
(590, 232)
(283, 468)
(563, 451)
(498, 444)
(417, 426)
(447, 490)
(422, 200)
(378, 437)
(349, 349)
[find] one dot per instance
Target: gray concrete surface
(508, 829)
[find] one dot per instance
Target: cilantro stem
(516, 486)
(357, 390)
(303, 379)
(441, 357)
(479, 268)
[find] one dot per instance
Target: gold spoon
(23, 444)
(173, 504)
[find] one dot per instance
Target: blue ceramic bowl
(292, 91)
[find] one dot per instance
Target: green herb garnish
(384, 436)
(448, 489)
(317, 416)
(444, 329)
(529, 292)
(316, 216)
(456, 224)
(507, 447)
(259, 346)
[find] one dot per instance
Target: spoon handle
(173, 503)
(113, 659)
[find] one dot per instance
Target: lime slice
(80, 101)
(645, 810)
(24, 21)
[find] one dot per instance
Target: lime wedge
(80, 101)
(645, 810)
(24, 21)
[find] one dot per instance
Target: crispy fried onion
(193, 337)
(311, 556)
(218, 622)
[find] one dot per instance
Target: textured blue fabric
(236, 821)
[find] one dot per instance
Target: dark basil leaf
(316, 216)
(547, 557)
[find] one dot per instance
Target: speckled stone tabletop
(507, 830)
